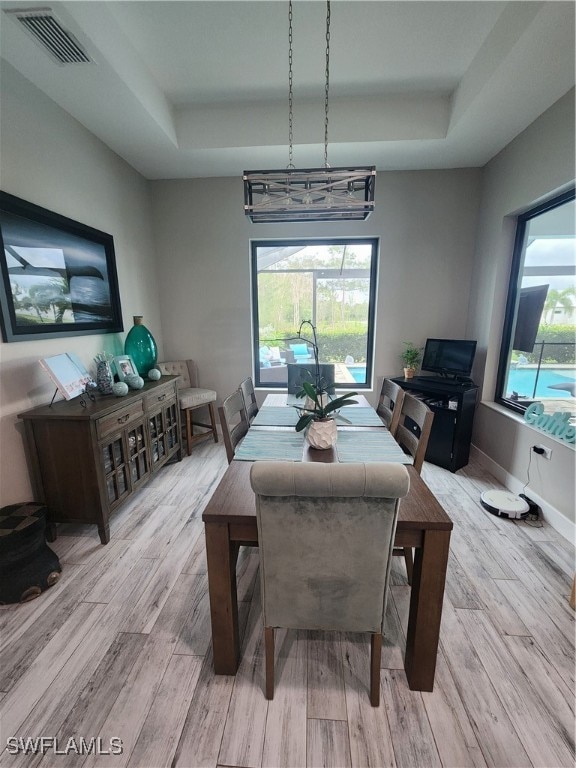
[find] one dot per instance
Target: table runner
(282, 416)
(271, 445)
(275, 416)
(373, 445)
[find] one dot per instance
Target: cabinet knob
(123, 419)
(162, 397)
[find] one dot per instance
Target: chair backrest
(326, 534)
(414, 428)
(298, 373)
(234, 421)
(249, 395)
(390, 404)
(187, 370)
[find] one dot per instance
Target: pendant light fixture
(309, 194)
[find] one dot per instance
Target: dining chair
(390, 404)
(326, 534)
(412, 434)
(249, 395)
(234, 421)
(190, 398)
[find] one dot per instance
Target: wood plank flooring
(120, 649)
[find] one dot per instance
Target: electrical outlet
(541, 450)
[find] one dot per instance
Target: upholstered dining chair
(412, 434)
(326, 533)
(234, 421)
(249, 395)
(192, 397)
(390, 404)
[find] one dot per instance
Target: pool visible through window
(331, 283)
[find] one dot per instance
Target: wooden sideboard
(87, 460)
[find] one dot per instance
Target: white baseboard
(551, 515)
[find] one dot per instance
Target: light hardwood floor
(120, 647)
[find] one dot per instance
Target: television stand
(453, 404)
(451, 380)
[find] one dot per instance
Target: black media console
(453, 404)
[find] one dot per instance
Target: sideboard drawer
(119, 419)
(159, 396)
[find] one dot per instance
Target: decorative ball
(154, 374)
(120, 388)
(134, 382)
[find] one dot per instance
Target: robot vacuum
(505, 504)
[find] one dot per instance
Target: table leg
(221, 557)
(428, 580)
(104, 533)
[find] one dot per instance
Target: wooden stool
(27, 564)
(190, 398)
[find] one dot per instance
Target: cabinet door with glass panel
(138, 454)
(123, 450)
(126, 462)
(115, 465)
(164, 432)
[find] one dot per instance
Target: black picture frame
(58, 276)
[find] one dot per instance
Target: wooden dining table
(230, 521)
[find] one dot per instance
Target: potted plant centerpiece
(319, 411)
(411, 359)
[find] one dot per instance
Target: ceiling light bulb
(307, 198)
(265, 199)
(288, 201)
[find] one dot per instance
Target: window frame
(514, 281)
(372, 297)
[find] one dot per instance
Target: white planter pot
(322, 434)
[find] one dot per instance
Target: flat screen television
(449, 357)
(530, 308)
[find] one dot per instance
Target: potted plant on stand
(319, 411)
(411, 359)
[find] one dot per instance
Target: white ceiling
(195, 89)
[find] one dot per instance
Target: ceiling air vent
(47, 30)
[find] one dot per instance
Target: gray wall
(539, 162)
(183, 261)
(426, 222)
(49, 159)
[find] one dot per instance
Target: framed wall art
(58, 277)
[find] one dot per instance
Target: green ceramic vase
(141, 347)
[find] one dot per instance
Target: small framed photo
(125, 366)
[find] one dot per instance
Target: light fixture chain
(327, 83)
(290, 97)
(310, 194)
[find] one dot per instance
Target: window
(331, 283)
(537, 357)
